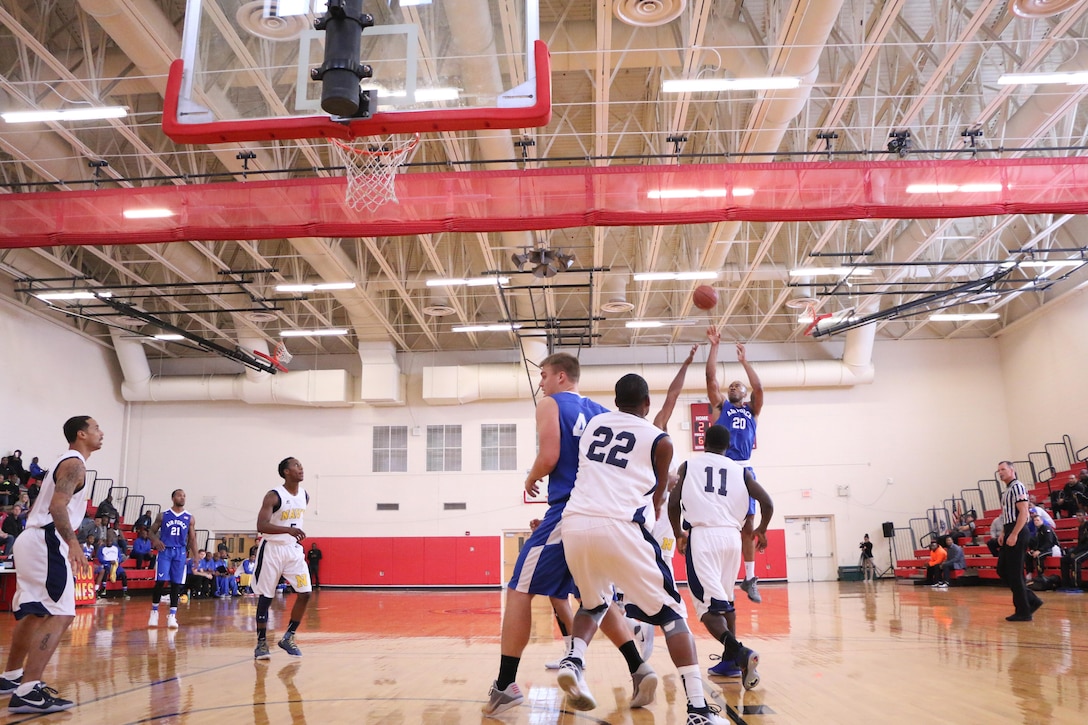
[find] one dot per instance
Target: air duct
(380, 382)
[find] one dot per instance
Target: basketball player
(740, 419)
(48, 557)
(1014, 544)
(173, 534)
(707, 511)
(281, 555)
(541, 567)
(623, 469)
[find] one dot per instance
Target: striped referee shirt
(1015, 492)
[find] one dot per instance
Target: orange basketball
(705, 297)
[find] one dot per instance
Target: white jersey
(616, 476)
(39, 516)
(290, 512)
(714, 493)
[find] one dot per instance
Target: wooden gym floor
(831, 653)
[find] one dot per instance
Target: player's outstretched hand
(691, 354)
(742, 356)
(713, 335)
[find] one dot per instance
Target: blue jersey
(174, 531)
(574, 412)
(741, 424)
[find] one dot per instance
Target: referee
(1014, 543)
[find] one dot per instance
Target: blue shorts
(542, 564)
(170, 565)
(751, 501)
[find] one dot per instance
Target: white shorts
(275, 560)
(713, 562)
(43, 576)
(603, 552)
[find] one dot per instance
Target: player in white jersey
(707, 510)
(281, 555)
(623, 469)
(47, 555)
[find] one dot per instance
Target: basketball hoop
(279, 357)
(370, 165)
(808, 304)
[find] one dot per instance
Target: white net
(370, 165)
(281, 355)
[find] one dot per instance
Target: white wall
(47, 375)
(1043, 365)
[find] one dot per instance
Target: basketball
(704, 297)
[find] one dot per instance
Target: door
(810, 549)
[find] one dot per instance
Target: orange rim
(380, 152)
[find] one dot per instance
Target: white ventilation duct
(380, 382)
(460, 384)
(614, 295)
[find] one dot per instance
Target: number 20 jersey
(714, 493)
(616, 476)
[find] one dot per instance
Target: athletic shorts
(541, 567)
(43, 577)
(603, 552)
(276, 560)
(170, 565)
(751, 501)
(713, 562)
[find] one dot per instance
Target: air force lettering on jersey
(174, 530)
(741, 424)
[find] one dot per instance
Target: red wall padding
(461, 561)
(555, 198)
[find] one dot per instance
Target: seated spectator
(1035, 509)
(1071, 499)
(996, 529)
(954, 561)
(15, 463)
(87, 528)
(203, 575)
(37, 473)
(142, 550)
(937, 556)
(90, 547)
(245, 577)
(108, 567)
(144, 520)
(1040, 546)
(1075, 558)
(9, 490)
(122, 542)
(5, 469)
(11, 525)
(226, 584)
(965, 529)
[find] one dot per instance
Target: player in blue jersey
(541, 568)
(740, 419)
(173, 534)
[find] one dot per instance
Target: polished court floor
(831, 653)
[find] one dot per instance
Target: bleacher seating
(981, 564)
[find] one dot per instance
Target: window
(499, 447)
(390, 449)
(443, 448)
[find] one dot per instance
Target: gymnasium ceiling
(869, 69)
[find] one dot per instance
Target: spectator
(955, 560)
(995, 531)
(144, 521)
(9, 490)
(5, 469)
(102, 525)
(204, 573)
(1040, 546)
(87, 528)
(15, 463)
(109, 567)
(245, 579)
(90, 547)
(313, 561)
(965, 529)
(1074, 559)
(1035, 509)
(11, 526)
(226, 584)
(122, 542)
(142, 551)
(1071, 499)
(37, 473)
(868, 567)
(937, 556)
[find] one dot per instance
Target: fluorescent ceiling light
(420, 95)
(831, 271)
(964, 317)
(468, 281)
(313, 333)
(169, 337)
(68, 114)
(700, 85)
(953, 188)
(644, 323)
(1044, 263)
(1071, 78)
(316, 287)
(698, 193)
(72, 295)
(659, 276)
(505, 327)
(147, 213)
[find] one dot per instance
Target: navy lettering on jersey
(617, 454)
(574, 412)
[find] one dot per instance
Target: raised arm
(264, 516)
(674, 510)
(662, 461)
(548, 438)
(661, 420)
(754, 384)
(713, 391)
(69, 476)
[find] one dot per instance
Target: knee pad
(675, 627)
(596, 614)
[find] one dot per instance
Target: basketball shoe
(40, 699)
(644, 680)
(287, 644)
(748, 661)
(261, 652)
(573, 683)
(171, 621)
(499, 701)
(704, 716)
(8, 686)
(153, 620)
(748, 586)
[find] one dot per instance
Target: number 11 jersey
(714, 493)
